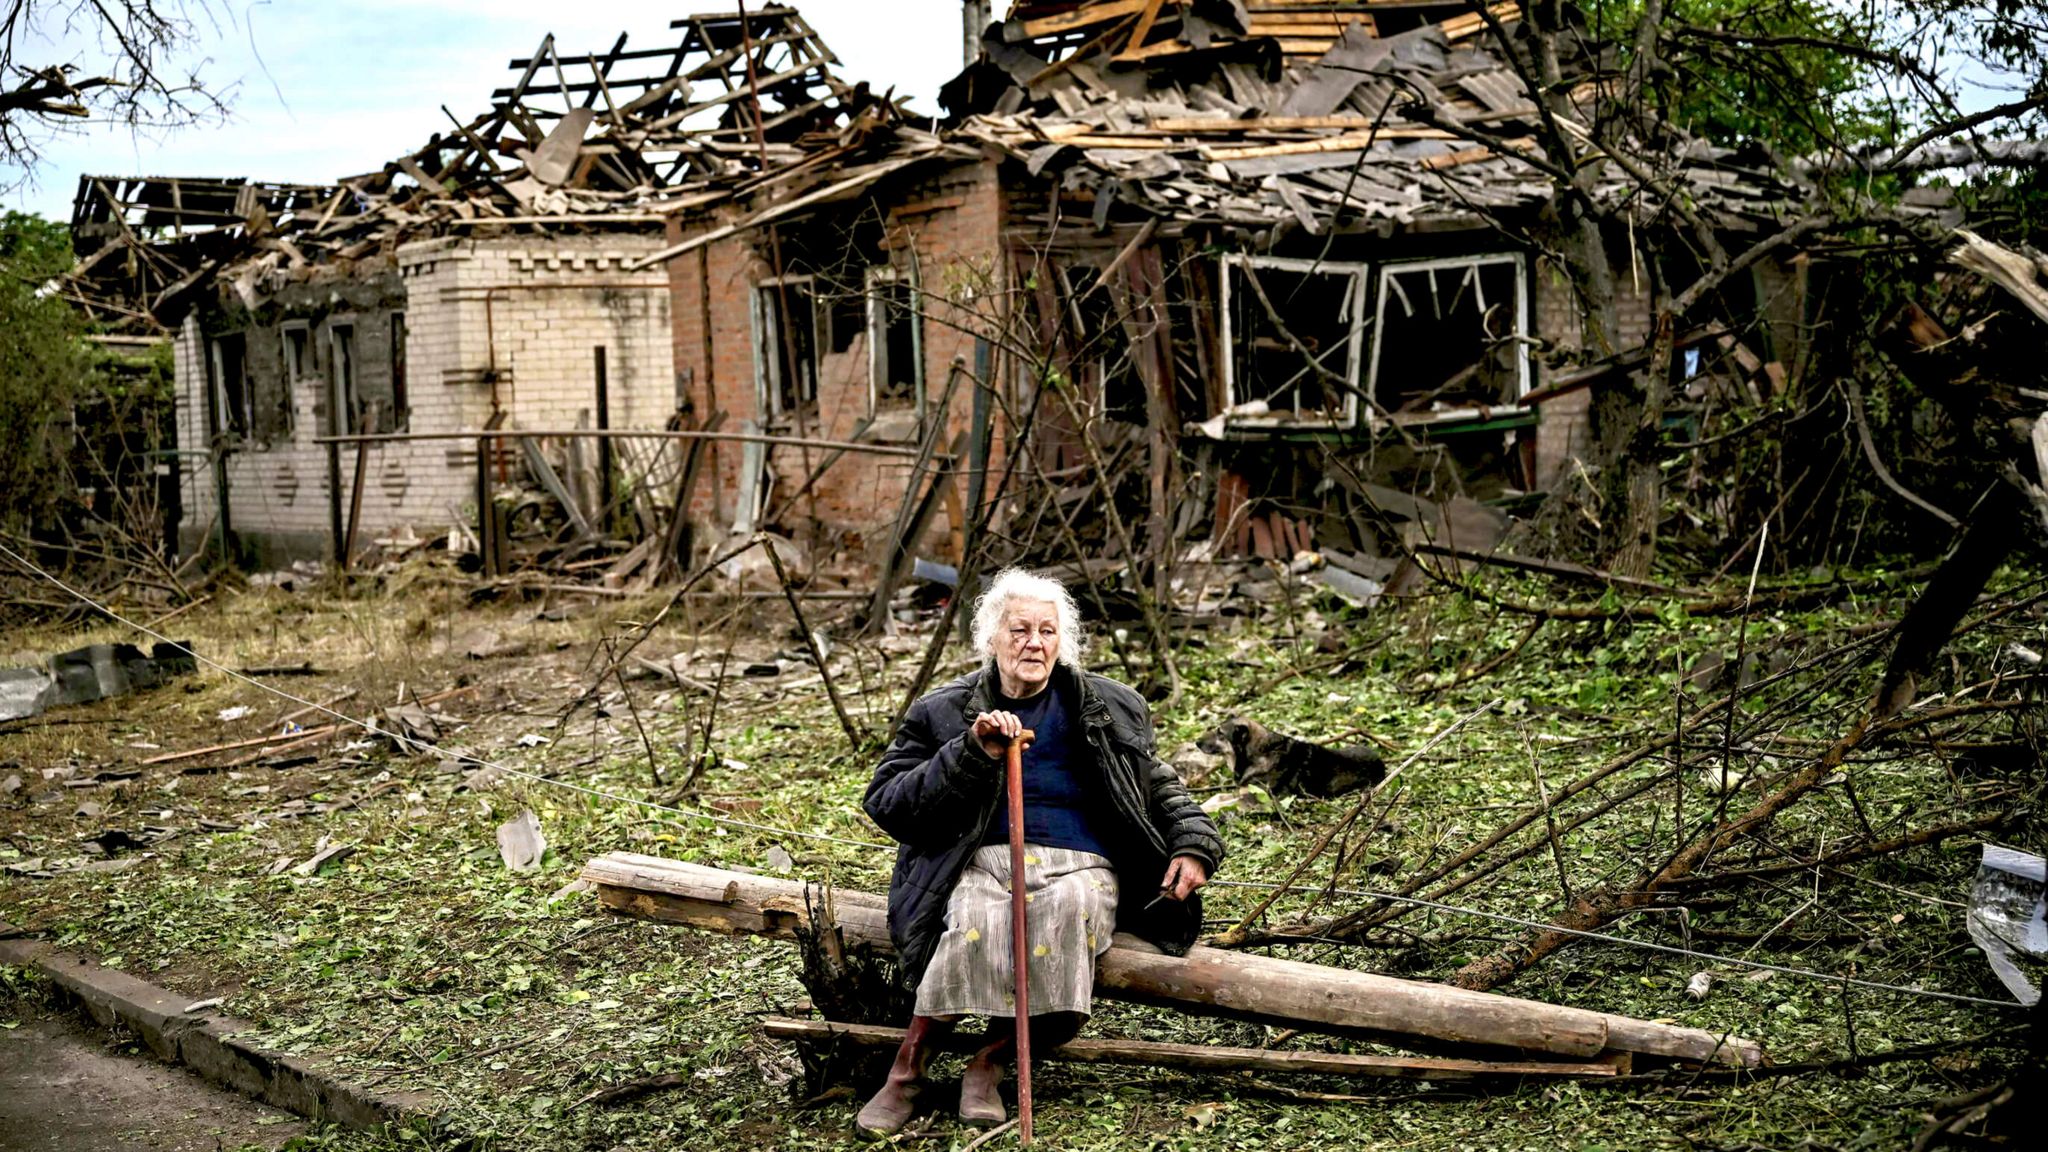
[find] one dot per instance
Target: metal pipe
(604, 443)
(619, 433)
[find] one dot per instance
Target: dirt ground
(350, 897)
(66, 1089)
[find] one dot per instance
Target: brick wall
(1564, 433)
(944, 229)
(535, 309)
(276, 476)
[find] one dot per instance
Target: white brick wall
(536, 308)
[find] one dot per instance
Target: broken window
(1292, 328)
(341, 362)
(785, 347)
(399, 407)
(227, 362)
(895, 341)
(298, 352)
(1102, 345)
(845, 316)
(1448, 334)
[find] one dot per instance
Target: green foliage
(43, 366)
(419, 963)
(1738, 71)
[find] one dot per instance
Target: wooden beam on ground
(169, 757)
(1209, 1058)
(1207, 980)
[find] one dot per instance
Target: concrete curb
(208, 1045)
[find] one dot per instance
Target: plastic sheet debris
(520, 842)
(2007, 916)
(935, 572)
(1353, 589)
(25, 692)
(93, 672)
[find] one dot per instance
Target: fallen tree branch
(1864, 851)
(1212, 1058)
(1597, 908)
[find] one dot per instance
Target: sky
(321, 89)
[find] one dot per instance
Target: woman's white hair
(1017, 584)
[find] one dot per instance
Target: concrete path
(62, 1089)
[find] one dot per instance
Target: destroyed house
(1223, 241)
(1241, 262)
(331, 342)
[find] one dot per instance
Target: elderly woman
(1103, 817)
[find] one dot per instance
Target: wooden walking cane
(1014, 772)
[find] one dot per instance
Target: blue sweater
(1057, 801)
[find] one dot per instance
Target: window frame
(236, 420)
(877, 333)
(294, 373)
(1355, 270)
(1524, 380)
(400, 339)
(767, 389)
(341, 395)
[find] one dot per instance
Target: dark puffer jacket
(936, 791)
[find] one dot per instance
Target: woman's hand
(994, 731)
(1184, 874)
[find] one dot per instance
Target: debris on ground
(94, 672)
(2006, 917)
(520, 842)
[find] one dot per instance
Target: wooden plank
(552, 481)
(1471, 23)
(1210, 1058)
(1459, 158)
(1143, 28)
(1207, 980)
(1344, 143)
(1083, 16)
(169, 757)
(1286, 124)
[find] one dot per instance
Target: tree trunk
(1206, 980)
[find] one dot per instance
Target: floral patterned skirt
(1070, 913)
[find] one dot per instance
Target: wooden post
(602, 520)
(980, 431)
(487, 543)
(355, 506)
(1020, 948)
(334, 530)
(221, 499)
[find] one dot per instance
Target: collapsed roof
(1261, 112)
(598, 140)
(1295, 113)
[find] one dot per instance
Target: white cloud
(365, 81)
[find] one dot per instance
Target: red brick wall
(951, 221)
(1565, 433)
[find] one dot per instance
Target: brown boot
(981, 1097)
(889, 1110)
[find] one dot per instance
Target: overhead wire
(1362, 893)
(419, 745)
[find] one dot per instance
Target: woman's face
(1027, 645)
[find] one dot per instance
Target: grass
(421, 963)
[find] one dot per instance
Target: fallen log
(1208, 1058)
(1210, 980)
